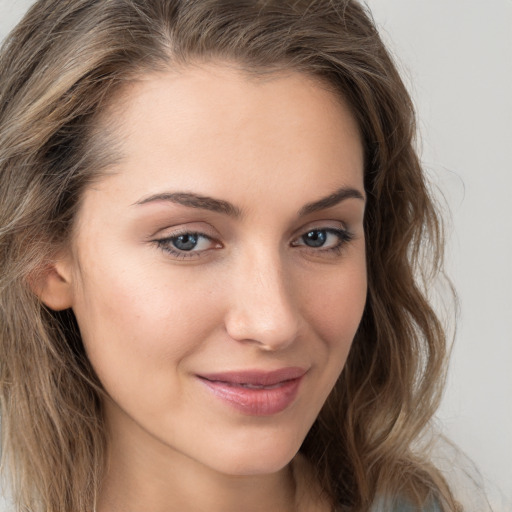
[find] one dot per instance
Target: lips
(256, 392)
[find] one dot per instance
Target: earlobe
(52, 284)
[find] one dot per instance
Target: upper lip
(256, 377)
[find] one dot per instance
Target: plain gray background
(456, 56)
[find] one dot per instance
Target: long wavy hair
(60, 70)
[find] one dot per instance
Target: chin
(256, 456)
(253, 466)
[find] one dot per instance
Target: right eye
(187, 244)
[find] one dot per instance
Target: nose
(261, 308)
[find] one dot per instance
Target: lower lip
(256, 402)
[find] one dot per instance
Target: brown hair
(60, 68)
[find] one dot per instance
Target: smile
(256, 393)
(254, 386)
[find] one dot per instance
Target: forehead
(214, 125)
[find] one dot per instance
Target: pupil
(315, 238)
(185, 242)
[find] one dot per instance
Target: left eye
(322, 238)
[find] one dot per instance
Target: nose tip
(262, 312)
(267, 332)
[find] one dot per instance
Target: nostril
(273, 330)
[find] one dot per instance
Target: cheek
(134, 320)
(334, 306)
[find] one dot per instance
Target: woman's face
(218, 273)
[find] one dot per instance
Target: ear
(53, 284)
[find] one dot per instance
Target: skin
(252, 294)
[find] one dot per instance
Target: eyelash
(344, 237)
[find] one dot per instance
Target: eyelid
(321, 224)
(341, 232)
(182, 228)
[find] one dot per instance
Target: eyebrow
(195, 201)
(218, 205)
(331, 200)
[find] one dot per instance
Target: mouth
(254, 392)
(251, 386)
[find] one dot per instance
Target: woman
(215, 231)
